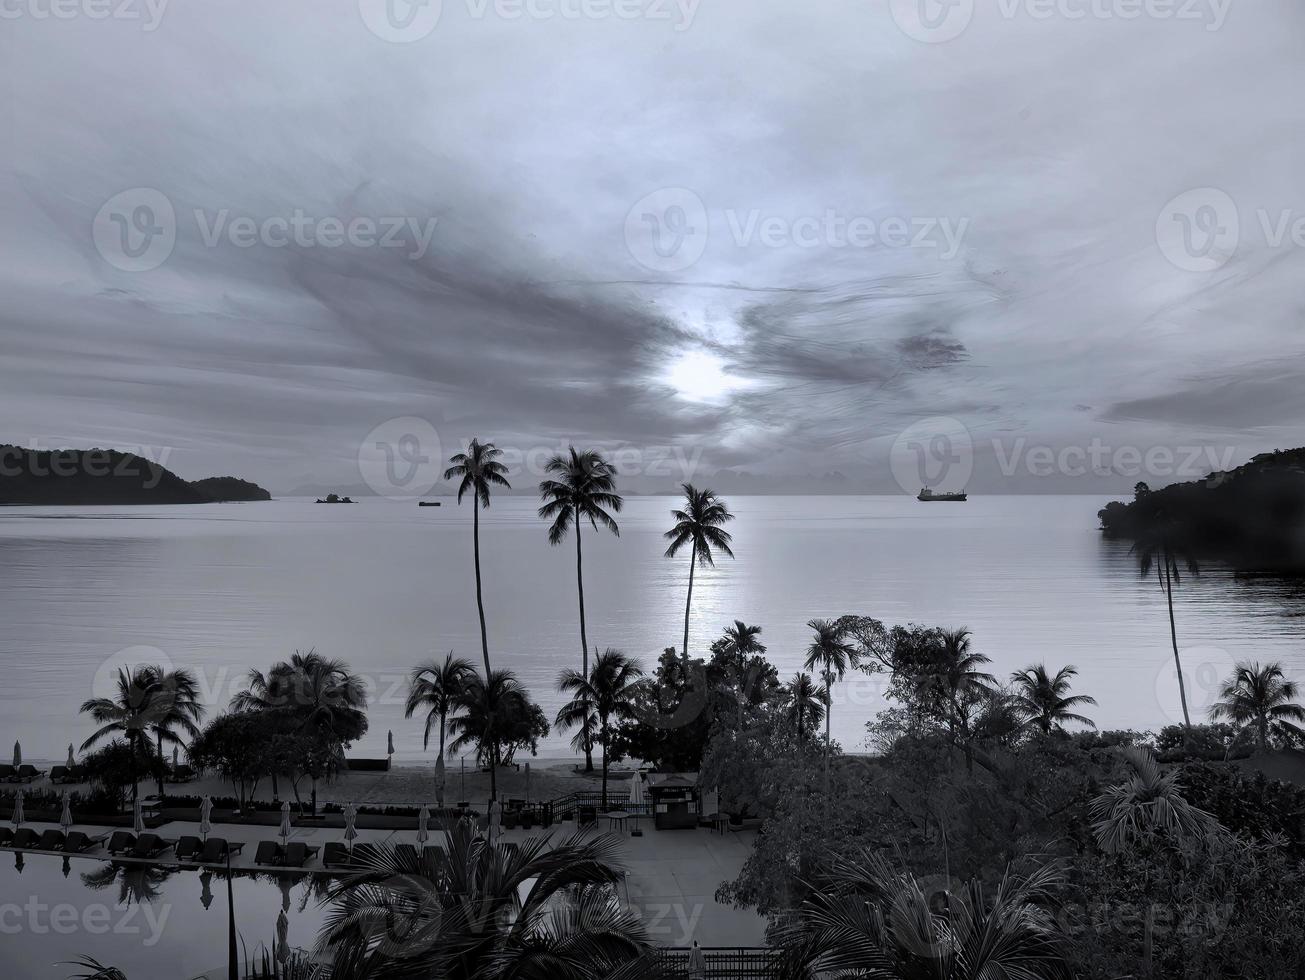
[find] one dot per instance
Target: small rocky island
(105, 477)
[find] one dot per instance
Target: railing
(728, 962)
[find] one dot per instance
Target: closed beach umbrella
(282, 937)
(350, 815)
(138, 819)
(176, 755)
(18, 809)
(439, 780)
(18, 861)
(67, 866)
(285, 883)
(390, 743)
(636, 803)
(65, 818)
(285, 821)
(70, 763)
(527, 782)
(206, 888)
(18, 755)
(423, 818)
(205, 816)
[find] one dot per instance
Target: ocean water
(383, 584)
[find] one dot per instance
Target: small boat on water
(428, 503)
(929, 496)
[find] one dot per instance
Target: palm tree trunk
(158, 734)
(1167, 583)
(584, 639)
(605, 765)
(829, 711)
(688, 602)
(484, 643)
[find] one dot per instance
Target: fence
(728, 962)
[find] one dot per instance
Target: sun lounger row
(121, 843)
(51, 840)
(293, 855)
(20, 774)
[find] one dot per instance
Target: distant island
(1252, 517)
(334, 498)
(105, 477)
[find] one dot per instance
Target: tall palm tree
(1261, 697)
(436, 687)
(478, 469)
(607, 692)
(957, 681)
(1162, 548)
(1148, 799)
(742, 642)
(804, 704)
(478, 910)
(867, 920)
(139, 703)
(832, 652)
(321, 697)
(1045, 701)
(183, 711)
(479, 703)
(700, 525)
(585, 489)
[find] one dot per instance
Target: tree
(607, 692)
(117, 765)
(1262, 698)
(804, 705)
(833, 654)
(1148, 799)
(585, 490)
(671, 716)
(1045, 701)
(867, 920)
(701, 526)
(487, 911)
(322, 698)
(139, 703)
(1161, 547)
(478, 469)
(239, 746)
(181, 709)
(954, 678)
(495, 718)
(436, 687)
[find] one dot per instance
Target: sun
(700, 376)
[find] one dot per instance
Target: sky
(1018, 245)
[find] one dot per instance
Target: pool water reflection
(151, 922)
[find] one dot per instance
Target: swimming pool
(152, 922)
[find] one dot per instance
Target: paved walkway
(671, 879)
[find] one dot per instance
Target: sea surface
(384, 584)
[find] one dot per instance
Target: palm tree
(183, 710)
(585, 490)
(140, 702)
(436, 688)
(479, 702)
(742, 642)
(957, 681)
(1262, 697)
(607, 692)
(832, 653)
(1147, 799)
(804, 704)
(479, 470)
(1045, 700)
(487, 911)
(867, 920)
(1161, 547)
(321, 697)
(701, 525)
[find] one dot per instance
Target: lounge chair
(268, 853)
(121, 841)
(27, 773)
(52, 840)
(7, 773)
(76, 842)
(25, 839)
(216, 851)
(150, 846)
(296, 854)
(335, 855)
(59, 774)
(187, 848)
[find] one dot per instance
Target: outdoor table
(720, 822)
(616, 818)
